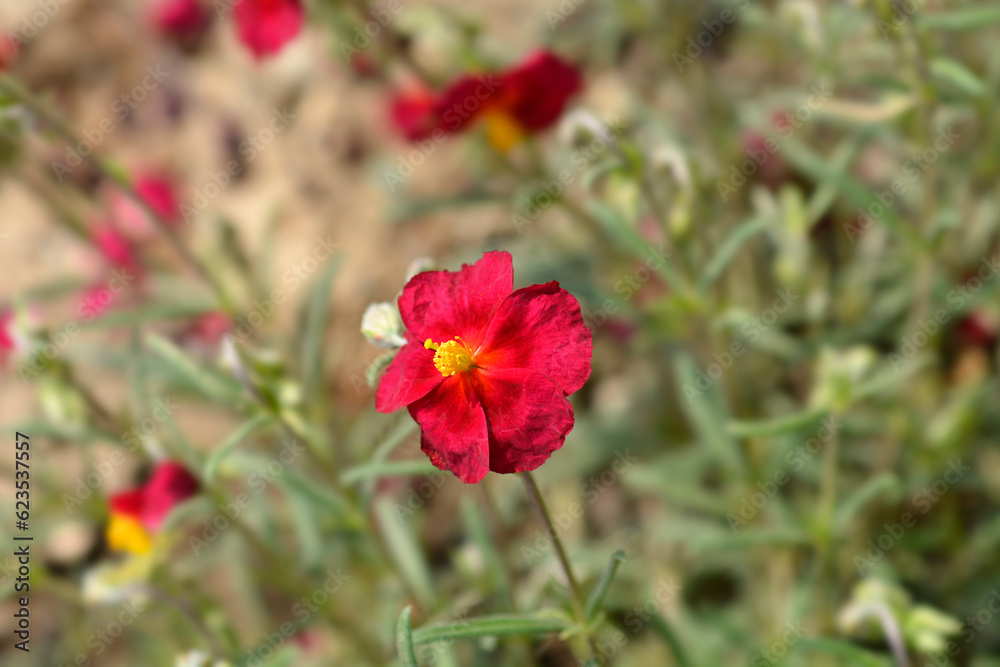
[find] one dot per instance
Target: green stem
(827, 504)
(576, 593)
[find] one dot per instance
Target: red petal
(265, 26)
(414, 114)
(528, 416)
(127, 503)
(410, 376)
(443, 304)
(536, 92)
(170, 484)
(453, 428)
(540, 328)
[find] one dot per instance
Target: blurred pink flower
(157, 192)
(208, 329)
(266, 26)
(115, 248)
(9, 338)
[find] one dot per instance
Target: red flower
(525, 99)
(9, 338)
(157, 192)
(486, 371)
(184, 21)
(115, 248)
(265, 26)
(138, 512)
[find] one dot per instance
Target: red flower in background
(183, 21)
(157, 192)
(115, 248)
(137, 513)
(9, 339)
(522, 100)
(265, 26)
(8, 51)
(486, 370)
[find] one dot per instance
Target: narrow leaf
(315, 320)
(405, 552)
(388, 469)
(787, 424)
(496, 626)
(404, 639)
(707, 414)
(596, 600)
(234, 439)
(956, 74)
(197, 377)
(974, 18)
(730, 247)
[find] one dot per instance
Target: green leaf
(478, 528)
(669, 637)
(707, 414)
(306, 524)
(596, 600)
(825, 174)
(322, 496)
(728, 249)
(230, 443)
(856, 656)
(404, 639)
(956, 74)
(380, 364)
(787, 424)
(750, 537)
(405, 552)
(973, 18)
(210, 384)
(409, 210)
(498, 625)
(315, 317)
(159, 312)
(884, 484)
(379, 469)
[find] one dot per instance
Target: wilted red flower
(137, 513)
(265, 26)
(486, 370)
(184, 21)
(522, 100)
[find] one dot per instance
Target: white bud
(382, 326)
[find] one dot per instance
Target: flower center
(126, 534)
(451, 356)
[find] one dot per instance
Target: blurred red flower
(157, 192)
(522, 100)
(265, 26)
(115, 248)
(183, 21)
(8, 337)
(138, 512)
(489, 382)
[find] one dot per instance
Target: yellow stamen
(126, 534)
(503, 131)
(451, 356)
